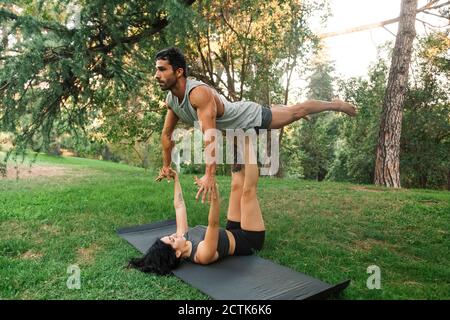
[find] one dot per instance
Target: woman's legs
(234, 205)
(251, 217)
(284, 115)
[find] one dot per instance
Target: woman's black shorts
(247, 242)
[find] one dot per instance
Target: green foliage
(311, 144)
(78, 75)
(425, 138)
(320, 85)
(82, 146)
(425, 160)
(317, 137)
(242, 47)
(356, 145)
(58, 77)
(84, 68)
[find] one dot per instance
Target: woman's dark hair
(175, 58)
(160, 259)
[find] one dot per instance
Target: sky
(354, 52)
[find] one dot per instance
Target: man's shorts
(266, 120)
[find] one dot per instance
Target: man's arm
(167, 143)
(166, 136)
(202, 100)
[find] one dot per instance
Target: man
(191, 100)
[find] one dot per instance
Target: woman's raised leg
(234, 205)
(251, 217)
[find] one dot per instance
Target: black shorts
(266, 120)
(247, 242)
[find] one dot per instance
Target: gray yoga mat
(236, 277)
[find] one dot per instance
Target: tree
(294, 60)
(318, 135)
(355, 147)
(387, 165)
(425, 142)
(240, 47)
(62, 70)
(429, 9)
(245, 49)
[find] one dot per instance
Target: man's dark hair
(175, 58)
(160, 259)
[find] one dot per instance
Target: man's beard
(168, 85)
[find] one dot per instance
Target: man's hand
(166, 172)
(206, 187)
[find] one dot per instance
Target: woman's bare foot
(346, 107)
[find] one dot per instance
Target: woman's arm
(180, 207)
(207, 249)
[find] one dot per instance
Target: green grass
(332, 231)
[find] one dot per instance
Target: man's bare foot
(346, 107)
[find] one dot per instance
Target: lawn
(333, 231)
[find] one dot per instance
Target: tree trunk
(448, 180)
(423, 181)
(387, 165)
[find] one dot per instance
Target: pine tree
(387, 165)
(65, 62)
(317, 136)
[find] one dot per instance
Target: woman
(244, 233)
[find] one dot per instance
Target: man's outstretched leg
(284, 115)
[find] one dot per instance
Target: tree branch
(53, 26)
(157, 27)
(429, 24)
(429, 6)
(436, 15)
(384, 27)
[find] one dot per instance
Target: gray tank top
(237, 115)
(197, 234)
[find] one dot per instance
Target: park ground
(64, 211)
